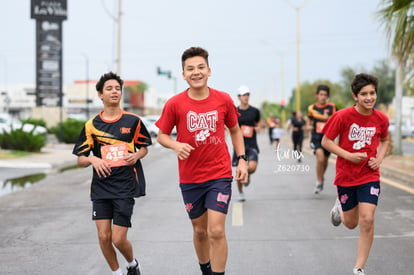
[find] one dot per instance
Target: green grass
(10, 154)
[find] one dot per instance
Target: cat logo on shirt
(363, 135)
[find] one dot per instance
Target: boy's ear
(354, 97)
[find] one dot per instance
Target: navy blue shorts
(213, 194)
(118, 210)
(351, 196)
(251, 153)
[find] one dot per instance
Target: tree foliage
(397, 17)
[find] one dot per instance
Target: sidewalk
(52, 156)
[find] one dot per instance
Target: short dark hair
(361, 80)
(322, 87)
(106, 77)
(192, 52)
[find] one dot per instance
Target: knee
(366, 223)
(350, 224)
(200, 233)
(118, 240)
(216, 233)
(105, 237)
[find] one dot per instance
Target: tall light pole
(87, 85)
(119, 21)
(297, 9)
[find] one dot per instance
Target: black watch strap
(242, 157)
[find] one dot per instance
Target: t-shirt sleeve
(142, 138)
(332, 127)
(231, 118)
(83, 145)
(166, 122)
(385, 125)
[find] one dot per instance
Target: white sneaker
(318, 188)
(335, 213)
(359, 271)
(241, 197)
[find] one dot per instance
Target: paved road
(282, 228)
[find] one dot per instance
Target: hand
(183, 150)
(374, 163)
(101, 167)
(357, 157)
(241, 171)
(130, 159)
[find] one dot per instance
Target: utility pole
(398, 109)
(119, 21)
(297, 9)
(87, 85)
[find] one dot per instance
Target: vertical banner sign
(49, 15)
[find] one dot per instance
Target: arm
(101, 167)
(374, 163)
(332, 147)
(238, 145)
(131, 159)
(182, 150)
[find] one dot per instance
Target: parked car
(150, 125)
(149, 122)
(7, 123)
(407, 130)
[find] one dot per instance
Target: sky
(250, 43)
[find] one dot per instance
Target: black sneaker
(134, 270)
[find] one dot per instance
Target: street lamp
(87, 85)
(169, 75)
(297, 8)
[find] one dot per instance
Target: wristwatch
(242, 157)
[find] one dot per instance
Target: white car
(407, 130)
(7, 123)
(149, 122)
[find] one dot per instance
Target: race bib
(319, 127)
(114, 154)
(247, 131)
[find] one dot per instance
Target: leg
(251, 166)
(320, 164)
(200, 238)
(366, 234)
(119, 238)
(105, 242)
(218, 241)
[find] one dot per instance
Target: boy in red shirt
(200, 115)
(361, 130)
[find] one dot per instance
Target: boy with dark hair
(319, 114)
(200, 115)
(361, 130)
(118, 140)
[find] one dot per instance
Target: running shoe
(335, 213)
(241, 197)
(318, 188)
(134, 270)
(359, 271)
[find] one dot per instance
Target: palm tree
(398, 18)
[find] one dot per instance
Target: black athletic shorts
(118, 210)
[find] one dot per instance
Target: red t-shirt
(357, 133)
(200, 123)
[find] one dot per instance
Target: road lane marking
(397, 185)
(237, 214)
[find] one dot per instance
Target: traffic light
(161, 72)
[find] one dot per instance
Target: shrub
(17, 139)
(71, 129)
(35, 121)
